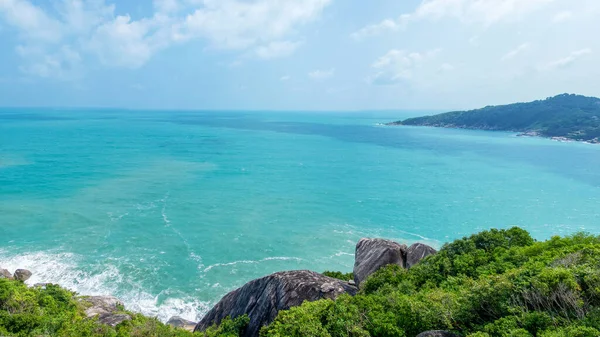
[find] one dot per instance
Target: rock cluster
(108, 309)
(372, 254)
(179, 322)
(20, 274)
(263, 298)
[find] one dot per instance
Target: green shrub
(339, 275)
(229, 327)
(498, 283)
(54, 311)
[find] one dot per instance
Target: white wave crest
(275, 258)
(62, 269)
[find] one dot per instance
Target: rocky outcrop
(417, 252)
(179, 322)
(5, 274)
(106, 308)
(263, 298)
(437, 333)
(372, 254)
(22, 274)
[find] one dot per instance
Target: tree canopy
(570, 116)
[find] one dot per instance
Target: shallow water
(169, 210)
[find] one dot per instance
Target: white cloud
(31, 21)
(277, 49)
(567, 61)
(122, 42)
(234, 24)
(63, 64)
(519, 50)
(166, 6)
(387, 25)
(397, 66)
(486, 12)
(481, 12)
(285, 78)
(562, 16)
(321, 74)
(91, 28)
(446, 67)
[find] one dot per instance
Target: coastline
(518, 133)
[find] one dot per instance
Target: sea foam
(63, 269)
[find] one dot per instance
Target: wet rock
(5, 274)
(372, 254)
(437, 333)
(418, 252)
(179, 322)
(22, 274)
(263, 298)
(106, 308)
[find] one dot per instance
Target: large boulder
(108, 309)
(263, 298)
(372, 254)
(418, 252)
(437, 333)
(5, 274)
(179, 322)
(22, 274)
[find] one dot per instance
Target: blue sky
(296, 54)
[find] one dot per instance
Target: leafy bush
(339, 275)
(54, 311)
(497, 283)
(228, 327)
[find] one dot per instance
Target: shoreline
(524, 134)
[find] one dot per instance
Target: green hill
(569, 117)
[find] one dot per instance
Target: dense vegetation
(492, 284)
(54, 311)
(570, 116)
(339, 275)
(497, 283)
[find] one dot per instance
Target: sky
(296, 54)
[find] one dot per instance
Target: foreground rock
(179, 322)
(22, 274)
(106, 308)
(437, 333)
(5, 274)
(263, 298)
(372, 254)
(417, 252)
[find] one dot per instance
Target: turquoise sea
(170, 210)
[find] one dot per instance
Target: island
(565, 117)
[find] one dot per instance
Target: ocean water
(170, 210)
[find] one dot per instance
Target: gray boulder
(5, 274)
(417, 252)
(106, 308)
(372, 254)
(263, 298)
(22, 274)
(437, 333)
(179, 322)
